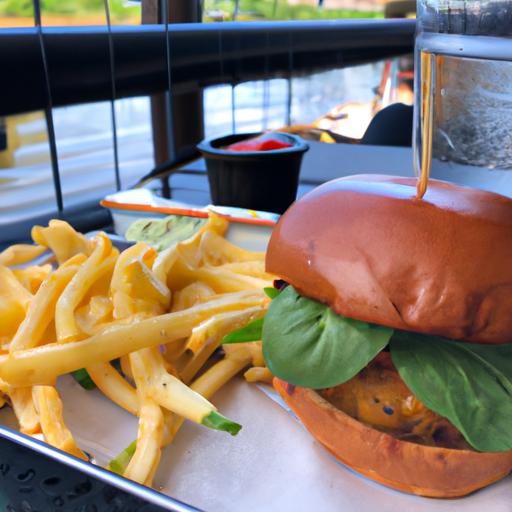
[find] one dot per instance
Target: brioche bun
(442, 265)
(402, 465)
(365, 246)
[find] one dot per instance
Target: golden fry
(151, 422)
(135, 289)
(32, 277)
(62, 240)
(258, 374)
(100, 263)
(206, 338)
(14, 302)
(248, 268)
(42, 309)
(165, 389)
(25, 411)
(49, 406)
(92, 317)
(149, 442)
(42, 365)
(216, 250)
(221, 281)
(113, 386)
(191, 295)
(188, 249)
(211, 381)
(19, 254)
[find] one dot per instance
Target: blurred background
(93, 138)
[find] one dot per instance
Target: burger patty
(378, 397)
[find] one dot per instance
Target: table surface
(325, 162)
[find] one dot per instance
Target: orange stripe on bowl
(181, 211)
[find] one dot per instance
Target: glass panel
(15, 13)
(26, 184)
(134, 139)
(87, 12)
(243, 10)
(342, 100)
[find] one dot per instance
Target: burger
(390, 336)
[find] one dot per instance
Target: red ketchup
(258, 145)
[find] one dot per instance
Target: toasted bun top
(365, 246)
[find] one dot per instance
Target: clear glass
(463, 104)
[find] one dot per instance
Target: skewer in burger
(392, 339)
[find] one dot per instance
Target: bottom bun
(408, 467)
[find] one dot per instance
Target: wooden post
(177, 119)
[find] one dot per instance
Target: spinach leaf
(250, 332)
(469, 384)
(307, 344)
(271, 292)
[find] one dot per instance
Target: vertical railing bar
(233, 109)
(114, 94)
(49, 111)
(289, 82)
(169, 117)
(266, 84)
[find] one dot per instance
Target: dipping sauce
(259, 144)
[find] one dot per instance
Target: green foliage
(280, 10)
(24, 8)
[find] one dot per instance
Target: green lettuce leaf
(251, 332)
(271, 292)
(305, 343)
(469, 384)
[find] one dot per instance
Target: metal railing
(44, 67)
(78, 58)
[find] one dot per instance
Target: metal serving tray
(35, 477)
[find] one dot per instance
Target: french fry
(258, 374)
(94, 316)
(151, 425)
(216, 250)
(191, 295)
(32, 277)
(210, 382)
(25, 411)
(19, 254)
(135, 288)
(14, 302)
(42, 308)
(188, 249)
(222, 281)
(100, 263)
(49, 406)
(62, 240)
(42, 365)
(167, 390)
(149, 442)
(112, 385)
(206, 338)
(248, 268)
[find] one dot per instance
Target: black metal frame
(79, 65)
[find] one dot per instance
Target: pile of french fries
(161, 316)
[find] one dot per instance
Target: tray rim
(143, 492)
